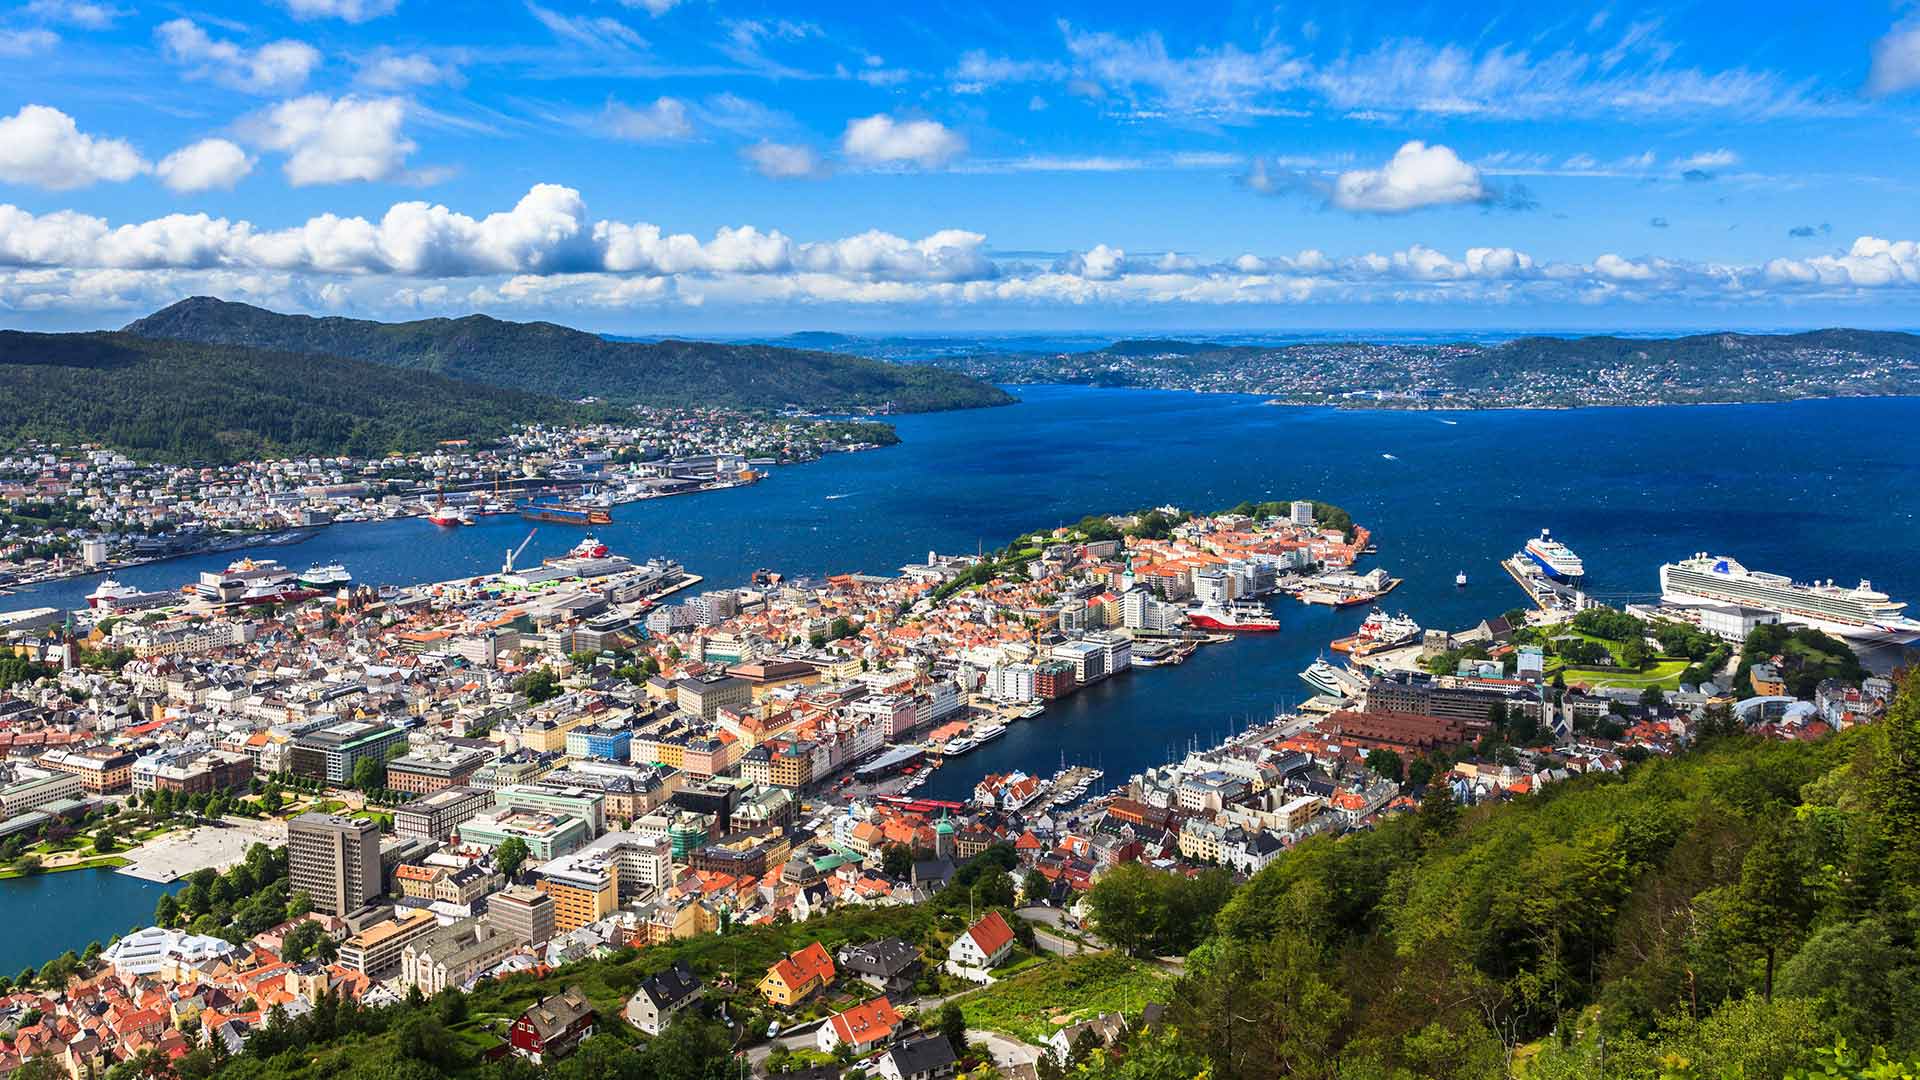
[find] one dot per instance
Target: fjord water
(1815, 489)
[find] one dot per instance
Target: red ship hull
(1214, 622)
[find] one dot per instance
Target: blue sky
(728, 167)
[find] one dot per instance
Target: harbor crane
(514, 553)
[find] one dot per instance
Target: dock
(1546, 593)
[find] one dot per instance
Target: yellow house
(794, 977)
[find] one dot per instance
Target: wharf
(1546, 593)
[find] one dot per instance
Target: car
(773, 1030)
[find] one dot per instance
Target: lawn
(1664, 674)
(1033, 1005)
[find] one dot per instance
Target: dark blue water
(1811, 489)
(48, 914)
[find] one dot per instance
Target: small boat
(1460, 579)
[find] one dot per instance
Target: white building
(167, 953)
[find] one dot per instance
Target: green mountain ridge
(187, 401)
(545, 358)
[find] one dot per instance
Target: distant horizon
(1116, 332)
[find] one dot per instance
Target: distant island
(1533, 372)
(557, 361)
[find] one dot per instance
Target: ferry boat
(988, 733)
(1033, 712)
(252, 581)
(327, 576)
(1240, 617)
(566, 514)
(1555, 559)
(1379, 632)
(114, 596)
(1861, 613)
(957, 746)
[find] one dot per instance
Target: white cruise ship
(1859, 614)
(1556, 559)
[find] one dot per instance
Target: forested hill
(545, 358)
(184, 401)
(1531, 371)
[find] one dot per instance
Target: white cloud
(82, 13)
(387, 70)
(43, 147)
(656, 8)
(783, 161)
(882, 140)
(1221, 81)
(272, 68)
(16, 44)
(1896, 60)
(353, 11)
(203, 166)
(663, 121)
(1870, 263)
(331, 141)
(1709, 159)
(546, 253)
(599, 33)
(1418, 175)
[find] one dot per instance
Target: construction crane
(514, 553)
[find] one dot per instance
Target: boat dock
(1546, 593)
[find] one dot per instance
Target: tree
(510, 856)
(1772, 904)
(953, 1025)
(1439, 812)
(896, 861)
(369, 775)
(1896, 779)
(1386, 763)
(1036, 888)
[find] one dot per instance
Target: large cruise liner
(1556, 559)
(1861, 613)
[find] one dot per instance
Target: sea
(1813, 489)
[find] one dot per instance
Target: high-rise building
(523, 911)
(335, 860)
(1301, 513)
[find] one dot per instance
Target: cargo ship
(449, 516)
(566, 514)
(1556, 560)
(1240, 617)
(1861, 613)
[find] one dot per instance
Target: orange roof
(866, 1023)
(991, 933)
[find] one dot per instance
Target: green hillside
(182, 401)
(544, 358)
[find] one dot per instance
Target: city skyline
(713, 169)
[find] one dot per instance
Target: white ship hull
(1897, 633)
